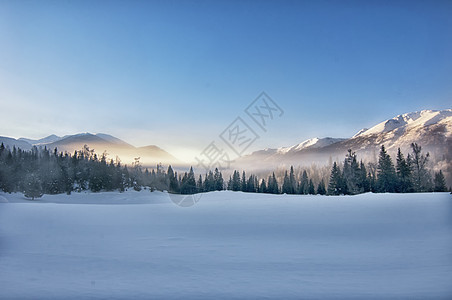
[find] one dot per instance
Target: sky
(177, 73)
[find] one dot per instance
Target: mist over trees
(42, 171)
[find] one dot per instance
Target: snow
(313, 143)
(410, 120)
(229, 245)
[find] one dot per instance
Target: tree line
(42, 171)
(407, 175)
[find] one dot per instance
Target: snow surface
(230, 245)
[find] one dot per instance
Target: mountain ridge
(100, 142)
(432, 129)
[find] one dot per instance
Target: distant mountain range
(100, 142)
(432, 129)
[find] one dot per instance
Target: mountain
(432, 129)
(313, 143)
(49, 139)
(11, 142)
(100, 142)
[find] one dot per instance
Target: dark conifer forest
(44, 171)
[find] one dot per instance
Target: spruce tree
(421, 176)
(243, 187)
(272, 186)
(363, 181)
(199, 185)
(32, 188)
(335, 185)
(218, 180)
(263, 187)
(293, 182)
(321, 190)
(311, 188)
(439, 182)
(304, 183)
(403, 172)
(287, 187)
(386, 177)
(173, 186)
(236, 181)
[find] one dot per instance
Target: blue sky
(177, 73)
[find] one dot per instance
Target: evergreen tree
(263, 187)
(188, 185)
(363, 179)
(293, 182)
(421, 177)
(440, 182)
(173, 186)
(272, 186)
(403, 172)
(32, 188)
(287, 187)
(311, 188)
(199, 185)
(304, 183)
(218, 180)
(250, 187)
(386, 179)
(209, 182)
(351, 175)
(243, 187)
(321, 190)
(236, 181)
(335, 185)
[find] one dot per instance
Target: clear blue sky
(176, 73)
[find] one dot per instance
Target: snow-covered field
(230, 245)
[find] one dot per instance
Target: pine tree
(421, 177)
(321, 190)
(311, 188)
(243, 187)
(218, 180)
(335, 185)
(263, 187)
(236, 181)
(188, 184)
(440, 182)
(287, 187)
(173, 186)
(32, 188)
(403, 172)
(386, 173)
(304, 183)
(293, 182)
(272, 186)
(363, 181)
(250, 184)
(199, 185)
(209, 182)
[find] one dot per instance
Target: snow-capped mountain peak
(408, 120)
(310, 143)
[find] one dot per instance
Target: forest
(42, 171)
